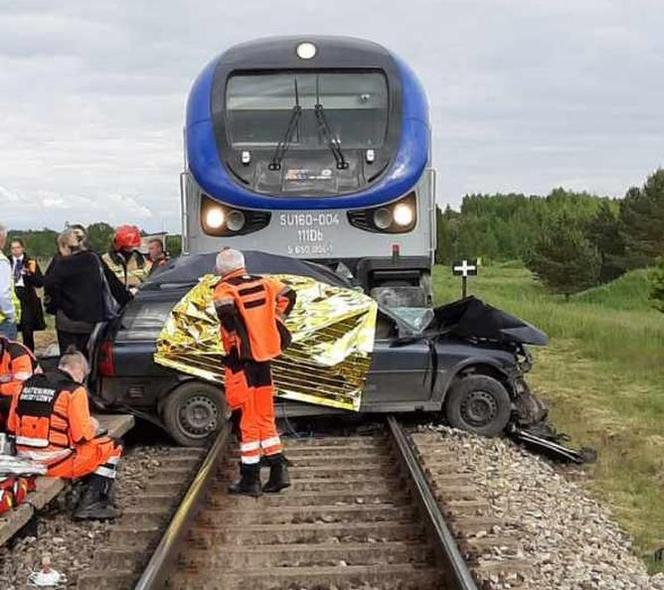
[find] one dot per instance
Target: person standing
(10, 309)
(156, 255)
(81, 235)
(27, 279)
(125, 259)
(78, 283)
(251, 313)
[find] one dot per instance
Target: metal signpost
(465, 269)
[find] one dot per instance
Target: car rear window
(143, 320)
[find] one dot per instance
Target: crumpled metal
(327, 363)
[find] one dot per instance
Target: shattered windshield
(418, 318)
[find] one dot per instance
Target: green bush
(657, 293)
(563, 259)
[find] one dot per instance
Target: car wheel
(478, 404)
(194, 411)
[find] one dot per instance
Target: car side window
(385, 327)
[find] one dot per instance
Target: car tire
(479, 404)
(193, 412)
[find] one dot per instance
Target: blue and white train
(313, 147)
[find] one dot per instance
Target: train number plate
(311, 232)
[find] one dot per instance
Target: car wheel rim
(479, 408)
(198, 416)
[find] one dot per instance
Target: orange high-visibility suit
(51, 420)
(251, 311)
(17, 364)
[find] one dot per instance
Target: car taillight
(106, 363)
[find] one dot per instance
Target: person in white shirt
(7, 308)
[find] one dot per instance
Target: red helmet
(127, 237)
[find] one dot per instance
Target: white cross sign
(465, 269)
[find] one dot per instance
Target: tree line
(42, 243)
(570, 240)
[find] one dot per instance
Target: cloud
(525, 95)
(48, 209)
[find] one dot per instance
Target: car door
(399, 377)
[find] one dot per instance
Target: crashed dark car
(464, 362)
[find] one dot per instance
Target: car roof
(188, 269)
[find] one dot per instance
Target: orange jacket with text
(251, 311)
(51, 415)
(17, 364)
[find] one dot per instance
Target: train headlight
(383, 218)
(397, 217)
(306, 50)
(403, 215)
(236, 220)
(227, 221)
(214, 217)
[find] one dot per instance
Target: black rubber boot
(249, 483)
(97, 501)
(279, 478)
(265, 461)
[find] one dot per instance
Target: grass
(629, 292)
(603, 376)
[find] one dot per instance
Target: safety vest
(131, 273)
(249, 311)
(41, 420)
(12, 294)
(17, 364)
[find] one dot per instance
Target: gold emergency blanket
(327, 362)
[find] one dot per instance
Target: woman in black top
(74, 283)
(27, 279)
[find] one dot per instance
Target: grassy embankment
(603, 376)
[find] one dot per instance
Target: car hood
(472, 318)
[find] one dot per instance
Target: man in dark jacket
(78, 284)
(27, 279)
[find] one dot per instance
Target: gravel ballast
(568, 537)
(71, 544)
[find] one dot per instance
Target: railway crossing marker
(465, 269)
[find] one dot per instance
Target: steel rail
(164, 556)
(457, 575)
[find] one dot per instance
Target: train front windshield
(259, 108)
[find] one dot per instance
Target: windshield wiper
(284, 144)
(333, 143)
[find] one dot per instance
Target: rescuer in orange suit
(17, 364)
(251, 312)
(51, 419)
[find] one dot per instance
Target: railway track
(359, 515)
(490, 541)
(119, 559)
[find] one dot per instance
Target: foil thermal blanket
(327, 363)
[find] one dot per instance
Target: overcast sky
(525, 95)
